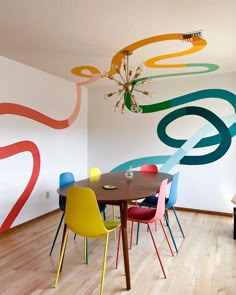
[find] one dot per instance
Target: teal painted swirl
(209, 68)
(198, 139)
(224, 134)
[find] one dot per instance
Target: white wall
(114, 139)
(60, 149)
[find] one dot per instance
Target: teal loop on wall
(225, 126)
(224, 133)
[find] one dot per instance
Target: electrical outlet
(47, 195)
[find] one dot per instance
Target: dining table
(114, 188)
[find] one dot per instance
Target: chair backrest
(94, 171)
(149, 168)
(160, 208)
(82, 213)
(65, 178)
(173, 191)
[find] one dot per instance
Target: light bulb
(133, 108)
(148, 80)
(114, 108)
(123, 108)
(110, 77)
(104, 74)
(139, 110)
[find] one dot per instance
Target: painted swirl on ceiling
(222, 140)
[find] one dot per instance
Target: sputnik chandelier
(126, 85)
(128, 80)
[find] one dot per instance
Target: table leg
(123, 216)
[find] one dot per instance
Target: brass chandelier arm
(113, 79)
(127, 69)
(142, 91)
(115, 108)
(121, 76)
(137, 74)
(119, 100)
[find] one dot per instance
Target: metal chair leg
(178, 222)
(61, 257)
(137, 234)
(157, 252)
(86, 250)
(104, 264)
(55, 238)
(170, 231)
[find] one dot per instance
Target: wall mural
(199, 139)
(29, 146)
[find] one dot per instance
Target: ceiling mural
(196, 39)
(200, 138)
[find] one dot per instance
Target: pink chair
(149, 216)
(149, 168)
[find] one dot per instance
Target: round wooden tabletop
(142, 184)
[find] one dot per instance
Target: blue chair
(65, 178)
(169, 204)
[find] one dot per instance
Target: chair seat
(140, 214)
(111, 225)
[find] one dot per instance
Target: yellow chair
(94, 173)
(82, 216)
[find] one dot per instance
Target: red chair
(149, 216)
(144, 168)
(149, 168)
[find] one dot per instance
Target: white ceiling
(58, 35)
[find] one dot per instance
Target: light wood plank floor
(205, 264)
